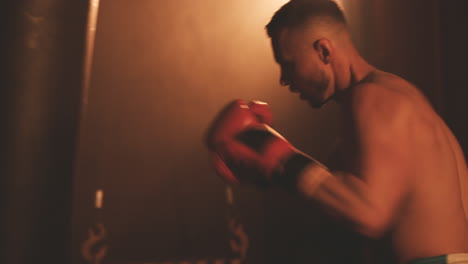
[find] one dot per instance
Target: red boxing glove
(262, 156)
(246, 149)
(236, 117)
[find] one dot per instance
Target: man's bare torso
(432, 216)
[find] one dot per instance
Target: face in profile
(301, 68)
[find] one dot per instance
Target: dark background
(161, 70)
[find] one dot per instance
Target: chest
(347, 157)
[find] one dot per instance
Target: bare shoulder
(384, 99)
(389, 105)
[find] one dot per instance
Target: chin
(319, 103)
(316, 104)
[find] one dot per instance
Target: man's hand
(236, 117)
(246, 149)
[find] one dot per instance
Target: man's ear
(325, 50)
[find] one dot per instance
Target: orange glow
(340, 4)
(90, 36)
(264, 10)
(98, 199)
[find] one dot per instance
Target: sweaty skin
(405, 175)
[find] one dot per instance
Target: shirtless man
(405, 175)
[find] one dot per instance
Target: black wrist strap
(287, 177)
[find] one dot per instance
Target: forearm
(344, 196)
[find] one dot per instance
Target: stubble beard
(321, 87)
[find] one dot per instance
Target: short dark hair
(296, 12)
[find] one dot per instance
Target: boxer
(405, 175)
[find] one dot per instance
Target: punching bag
(42, 69)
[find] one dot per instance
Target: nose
(283, 82)
(286, 72)
(284, 79)
(286, 82)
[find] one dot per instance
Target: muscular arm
(368, 201)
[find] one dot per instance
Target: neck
(359, 71)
